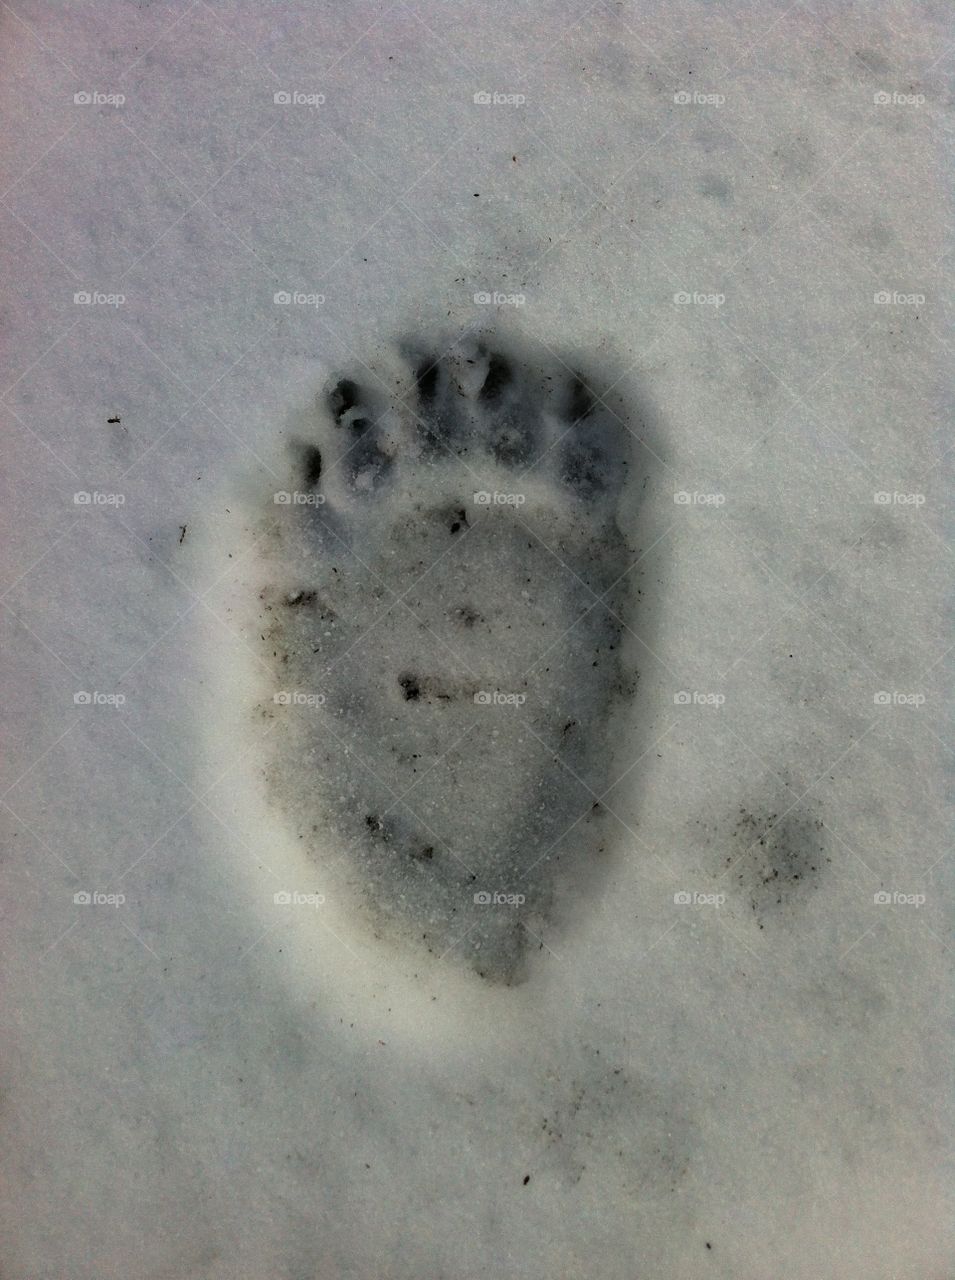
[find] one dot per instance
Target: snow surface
(745, 211)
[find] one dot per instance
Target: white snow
(745, 209)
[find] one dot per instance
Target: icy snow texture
(702, 202)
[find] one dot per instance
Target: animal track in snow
(443, 621)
